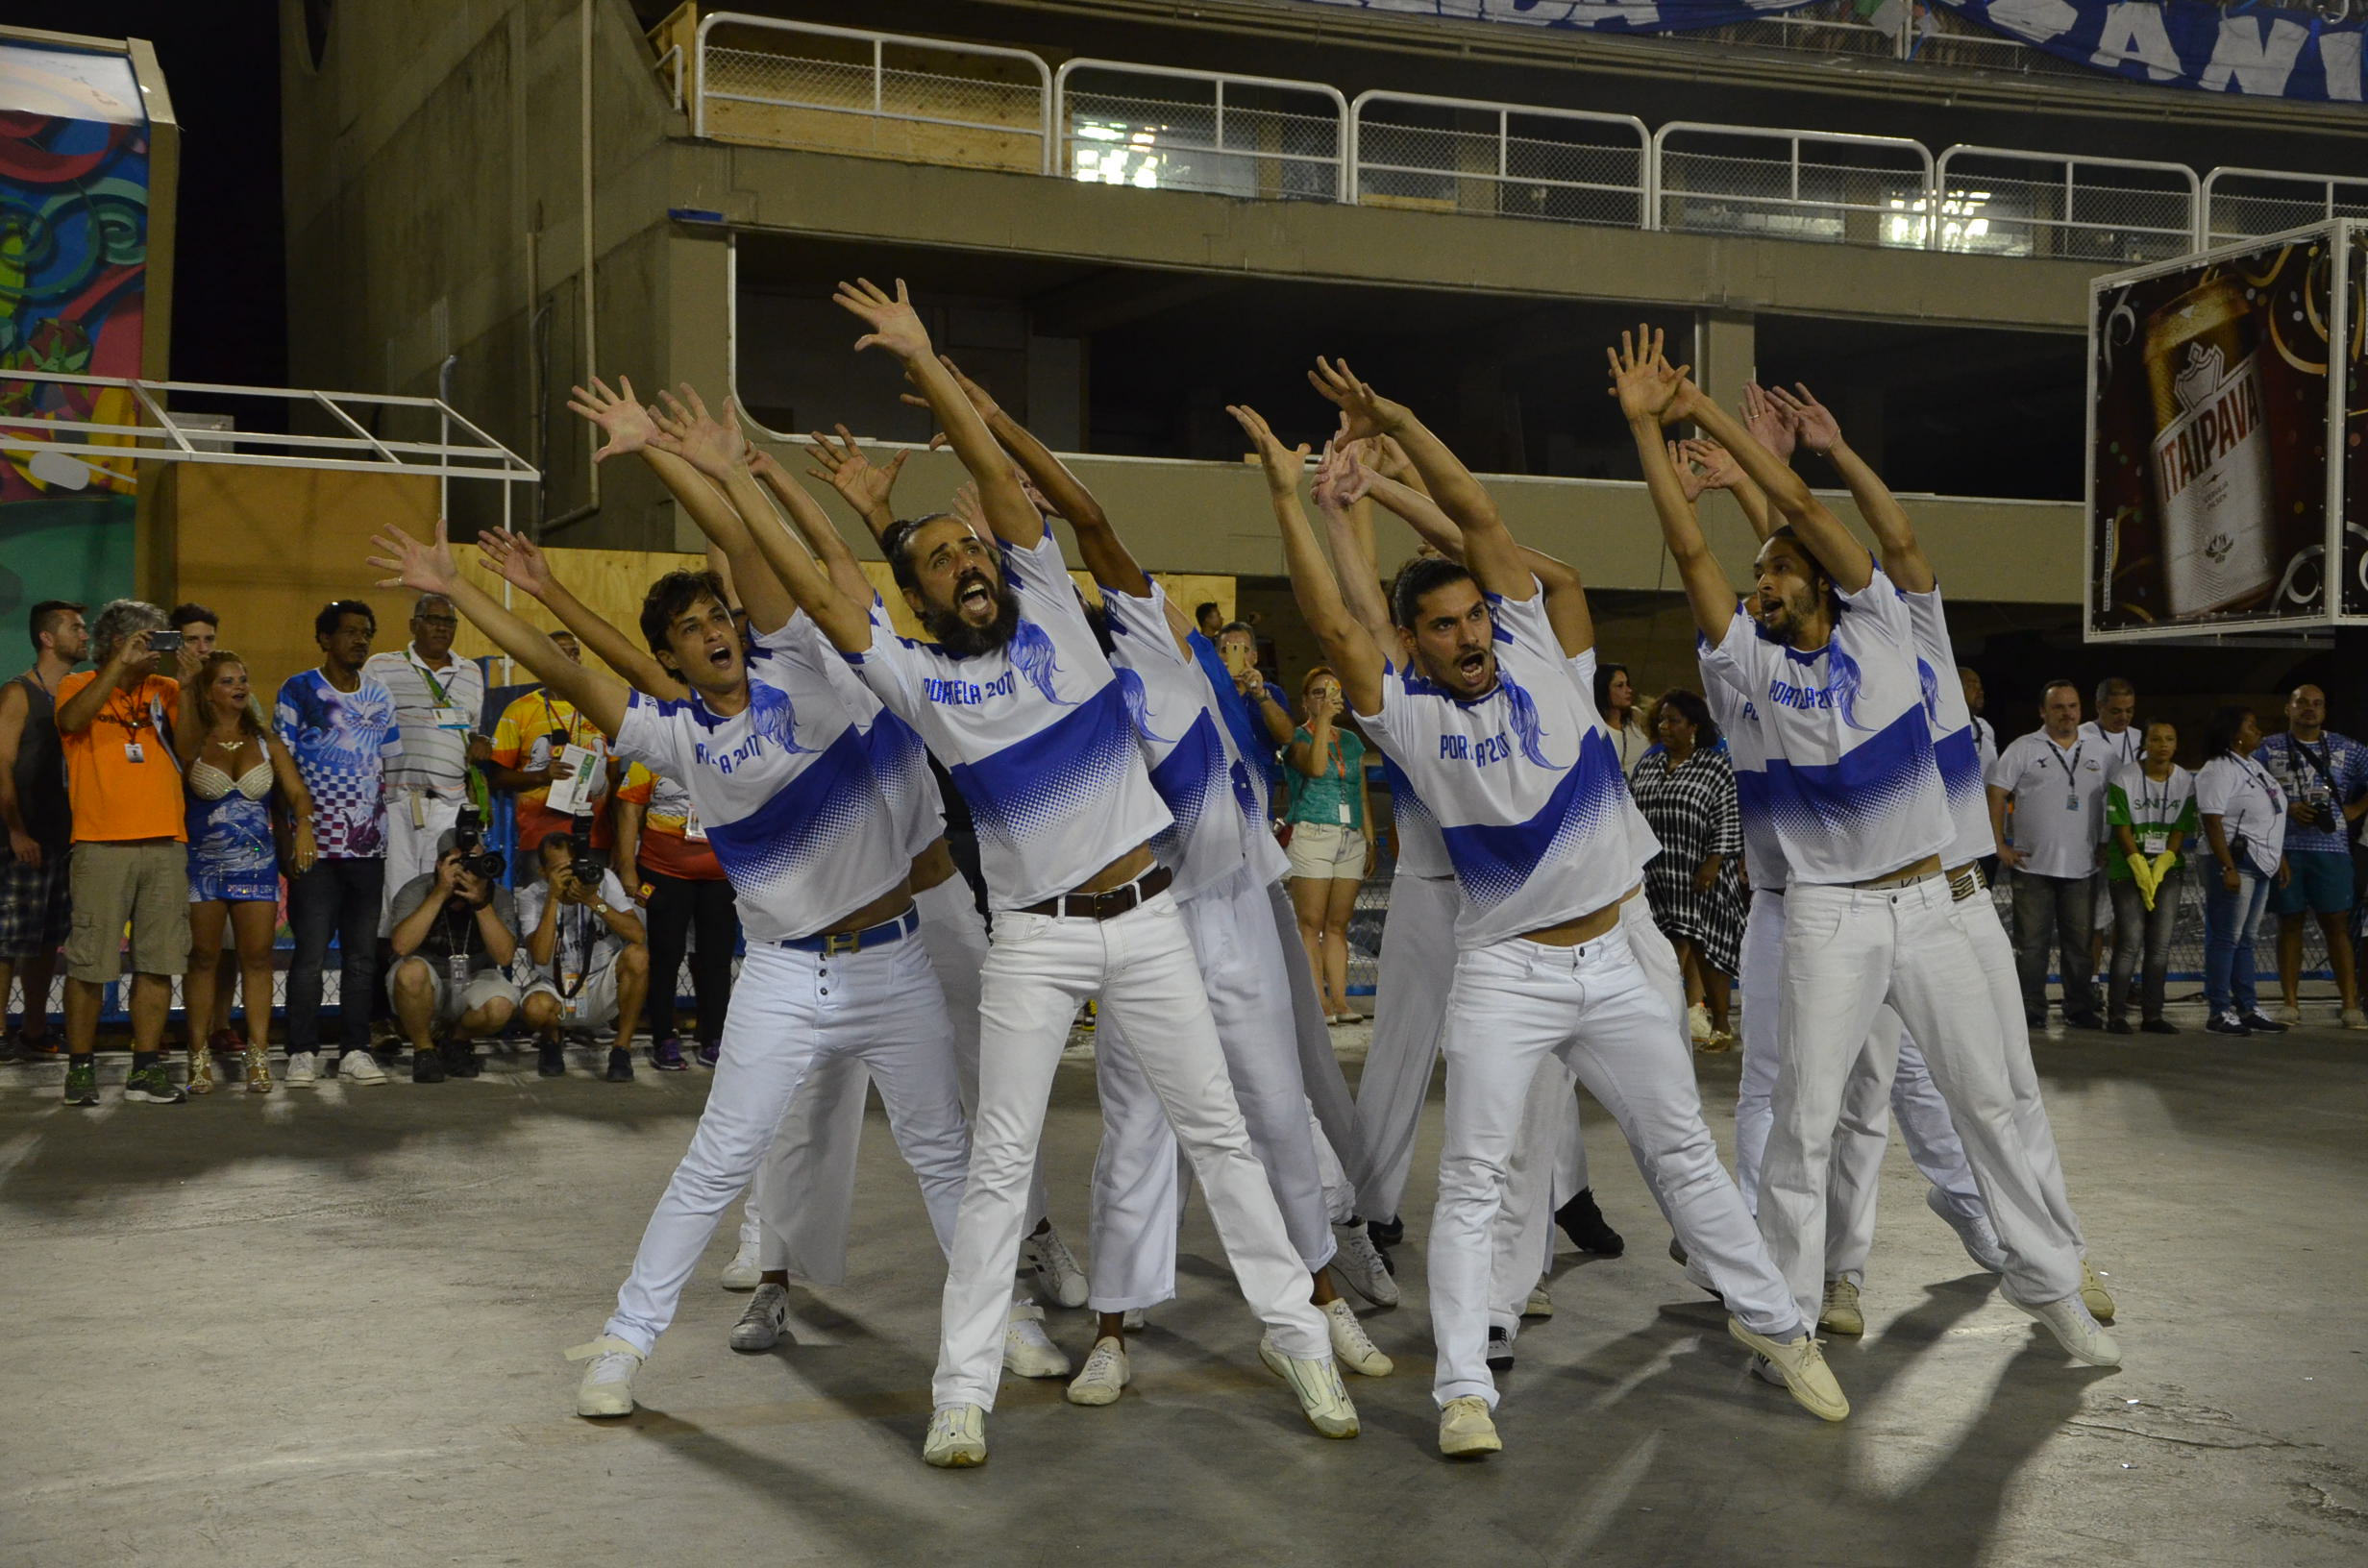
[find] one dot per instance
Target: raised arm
(1650, 391)
(1566, 593)
(1351, 648)
(897, 327)
(1348, 526)
(1490, 552)
(814, 526)
(1846, 560)
(520, 562)
(1716, 469)
(431, 569)
(1903, 558)
(867, 487)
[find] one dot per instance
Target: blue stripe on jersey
(805, 820)
(1402, 795)
(1492, 862)
(1184, 778)
(1959, 757)
(1043, 780)
(1872, 781)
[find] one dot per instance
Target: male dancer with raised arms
(1016, 698)
(1828, 656)
(1519, 773)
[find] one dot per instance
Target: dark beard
(964, 641)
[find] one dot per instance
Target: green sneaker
(153, 1087)
(82, 1085)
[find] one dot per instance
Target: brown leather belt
(1104, 906)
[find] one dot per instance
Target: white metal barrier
(1997, 201)
(2240, 204)
(1819, 186)
(850, 89)
(1462, 154)
(1165, 128)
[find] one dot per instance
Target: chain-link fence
(1995, 202)
(1787, 184)
(1494, 160)
(2243, 204)
(1226, 136)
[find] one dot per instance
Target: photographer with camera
(456, 932)
(592, 952)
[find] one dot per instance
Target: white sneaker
(2354, 1018)
(744, 1271)
(1699, 1023)
(1358, 1262)
(1028, 1352)
(1840, 1313)
(1799, 1365)
(1131, 1320)
(1975, 1236)
(1106, 1372)
(1350, 1346)
(761, 1325)
(1059, 1281)
(1318, 1384)
(607, 1385)
(303, 1067)
(360, 1067)
(957, 1437)
(1465, 1429)
(1540, 1305)
(2094, 1296)
(2073, 1328)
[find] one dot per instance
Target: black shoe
(460, 1060)
(2226, 1023)
(2084, 1021)
(428, 1066)
(2260, 1025)
(619, 1067)
(551, 1060)
(1500, 1351)
(1583, 1222)
(2118, 1026)
(2158, 1026)
(1386, 1233)
(2034, 1020)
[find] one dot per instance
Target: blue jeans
(2229, 920)
(337, 898)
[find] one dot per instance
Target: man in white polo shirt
(2053, 780)
(439, 704)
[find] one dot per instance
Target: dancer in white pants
(1519, 773)
(1829, 660)
(1019, 702)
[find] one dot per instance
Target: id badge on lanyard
(457, 964)
(2157, 842)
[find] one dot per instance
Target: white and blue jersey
(1219, 815)
(1764, 857)
(1852, 790)
(1524, 783)
(1035, 734)
(1956, 750)
(899, 759)
(784, 789)
(1642, 842)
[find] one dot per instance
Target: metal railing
(1819, 186)
(2242, 203)
(1995, 200)
(1459, 155)
(848, 89)
(1165, 128)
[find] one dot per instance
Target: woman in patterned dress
(230, 763)
(1685, 786)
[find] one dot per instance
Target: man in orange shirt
(129, 859)
(528, 740)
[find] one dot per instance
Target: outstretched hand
(1282, 464)
(1819, 430)
(895, 326)
(1770, 423)
(620, 416)
(1691, 478)
(1717, 465)
(1364, 412)
(425, 567)
(713, 445)
(865, 485)
(517, 560)
(1647, 385)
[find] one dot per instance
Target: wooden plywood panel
(1182, 588)
(611, 582)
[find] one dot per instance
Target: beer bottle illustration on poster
(2209, 499)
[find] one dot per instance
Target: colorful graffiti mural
(74, 179)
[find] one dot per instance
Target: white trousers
(1140, 965)
(1137, 1198)
(1319, 1065)
(1995, 952)
(410, 850)
(1517, 1004)
(1846, 953)
(802, 1206)
(790, 1010)
(1410, 1008)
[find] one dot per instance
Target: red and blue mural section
(74, 182)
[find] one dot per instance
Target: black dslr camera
(584, 865)
(469, 838)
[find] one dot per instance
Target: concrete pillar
(1725, 354)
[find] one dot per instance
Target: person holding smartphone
(1331, 843)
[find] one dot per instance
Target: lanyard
(437, 696)
(2149, 809)
(2069, 777)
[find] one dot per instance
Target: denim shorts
(2321, 884)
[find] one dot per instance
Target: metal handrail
(2205, 236)
(1354, 185)
(1793, 141)
(2073, 163)
(1219, 79)
(879, 42)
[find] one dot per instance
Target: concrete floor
(325, 1328)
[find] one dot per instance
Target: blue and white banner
(2255, 49)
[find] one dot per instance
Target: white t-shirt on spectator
(433, 735)
(2249, 803)
(2058, 801)
(577, 928)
